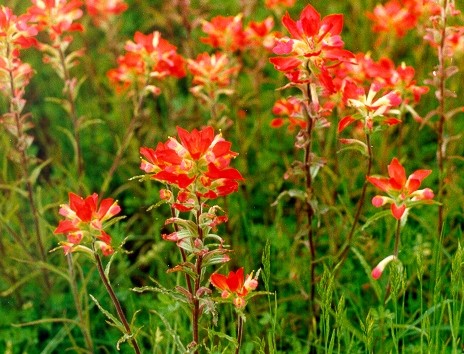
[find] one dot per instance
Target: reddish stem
(116, 303)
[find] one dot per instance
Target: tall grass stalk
(83, 320)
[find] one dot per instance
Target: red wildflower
(234, 285)
(289, 110)
(212, 74)
(395, 17)
(148, 57)
(401, 191)
(16, 33)
(84, 217)
(370, 108)
(270, 4)
(199, 163)
(56, 16)
(15, 30)
(258, 34)
(102, 11)
(314, 43)
(225, 33)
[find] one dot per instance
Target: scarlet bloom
(57, 16)
(258, 34)
(224, 32)
(84, 219)
(270, 4)
(212, 74)
(148, 57)
(314, 43)
(288, 110)
(235, 286)
(371, 108)
(395, 17)
(402, 192)
(199, 162)
(102, 11)
(16, 30)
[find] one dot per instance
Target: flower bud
(378, 270)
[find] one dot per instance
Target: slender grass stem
(125, 142)
(116, 303)
(361, 201)
(70, 96)
(84, 325)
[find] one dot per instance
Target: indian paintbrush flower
(84, 223)
(234, 286)
(402, 192)
(198, 163)
(315, 45)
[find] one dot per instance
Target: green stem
(397, 238)
(116, 303)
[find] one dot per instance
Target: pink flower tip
(379, 201)
(428, 193)
(378, 270)
(376, 273)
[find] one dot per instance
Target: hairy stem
(116, 303)
(239, 333)
(183, 255)
(24, 165)
(441, 146)
(196, 313)
(309, 207)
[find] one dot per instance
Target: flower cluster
(234, 286)
(371, 108)
(102, 11)
(403, 193)
(315, 46)
(16, 33)
(57, 17)
(212, 75)
(229, 34)
(397, 17)
(198, 164)
(271, 4)
(84, 224)
(147, 57)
